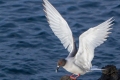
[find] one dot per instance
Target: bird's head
(60, 63)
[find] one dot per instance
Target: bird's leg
(77, 76)
(72, 75)
(74, 78)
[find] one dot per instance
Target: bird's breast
(72, 68)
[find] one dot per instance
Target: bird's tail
(96, 68)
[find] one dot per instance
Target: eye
(60, 62)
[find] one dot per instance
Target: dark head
(61, 62)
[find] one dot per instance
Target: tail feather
(96, 68)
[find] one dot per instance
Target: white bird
(78, 61)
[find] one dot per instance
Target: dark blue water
(28, 48)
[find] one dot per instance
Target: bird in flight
(78, 62)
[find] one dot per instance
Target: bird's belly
(74, 69)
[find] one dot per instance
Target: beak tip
(57, 69)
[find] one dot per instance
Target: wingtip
(43, 4)
(44, 1)
(111, 19)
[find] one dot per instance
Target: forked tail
(96, 68)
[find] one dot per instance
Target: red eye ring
(60, 62)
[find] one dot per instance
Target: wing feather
(89, 40)
(60, 27)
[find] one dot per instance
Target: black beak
(57, 68)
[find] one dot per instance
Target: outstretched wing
(60, 27)
(89, 40)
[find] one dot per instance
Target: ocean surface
(28, 48)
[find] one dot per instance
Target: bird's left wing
(89, 40)
(60, 28)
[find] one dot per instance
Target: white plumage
(59, 26)
(89, 40)
(80, 62)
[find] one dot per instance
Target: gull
(78, 62)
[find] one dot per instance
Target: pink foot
(74, 77)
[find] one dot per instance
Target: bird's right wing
(60, 28)
(89, 40)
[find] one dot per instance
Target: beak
(57, 68)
